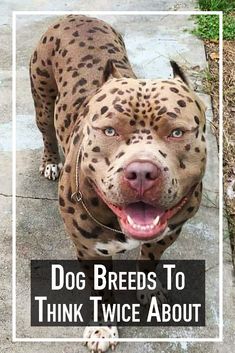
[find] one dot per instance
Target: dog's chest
(115, 247)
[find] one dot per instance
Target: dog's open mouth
(143, 221)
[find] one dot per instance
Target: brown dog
(134, 149)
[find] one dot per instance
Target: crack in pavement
(29, 197)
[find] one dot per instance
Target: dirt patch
(229, 137)
(211, 85)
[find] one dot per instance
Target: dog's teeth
(156, 221)
(141, 227)
(130, 220)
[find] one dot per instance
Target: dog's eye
(110, 131)
(177, 133)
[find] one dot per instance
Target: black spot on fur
(118, 108)
(104, 109)
(151, 256)
(103, 251)
(95, 201)
(71, 210)
(85, 233)
(35, 56)
(181, 103)
(61, 201)
(162, 153)
(82, 81)
(172, 115)
(173, 89)
(76, 139)
(100, 98)
(75, 34)
(67, 168)
(162, 111)
(190, 209)
(120, 237)
(196, 120)
(83, 216)
(43, 73)
(96, 149)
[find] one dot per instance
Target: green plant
(207, 75)
(217, 5)
(207, 26)
(229, 27)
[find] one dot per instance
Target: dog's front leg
(98, 332)
(153, 252)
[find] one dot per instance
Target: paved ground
(151, 42)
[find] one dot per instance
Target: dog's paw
(101, 332)
(51, 171)
(144, 296)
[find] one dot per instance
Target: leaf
(214, 56)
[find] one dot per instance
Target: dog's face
(144, 150)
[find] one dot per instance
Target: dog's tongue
(142, 213)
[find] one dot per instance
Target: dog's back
(69, 64)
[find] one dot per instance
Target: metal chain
(79, 198)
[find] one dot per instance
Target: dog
(135, 149)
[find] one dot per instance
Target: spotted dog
(134, 149)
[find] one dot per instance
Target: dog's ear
(110, 71)
(178, 72)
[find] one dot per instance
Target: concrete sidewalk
(151, 41)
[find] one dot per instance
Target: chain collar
(78, 197)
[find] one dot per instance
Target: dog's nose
(141, 175)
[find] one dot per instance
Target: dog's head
(144, 150)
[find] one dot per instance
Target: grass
(207, 77)
(208, 25)
(217, 5)
(229, 27)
